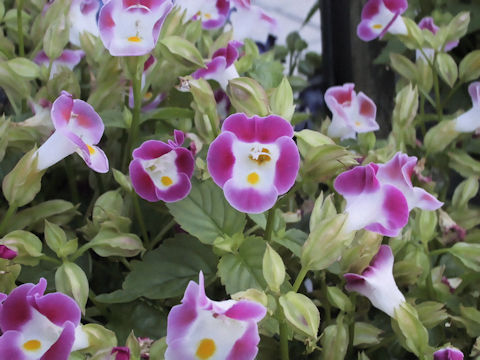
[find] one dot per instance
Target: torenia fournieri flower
(380, 17)
(351, 113)
(7, 253)
(377, 282)
(121, 353)
(254, 160)
(380, 196)
(161, 171)
(221, 68)
(250, 21)
(448, 353)
(83, 18)
(200, 328)
(68, 59)
(38, 326)
(470, 120)
(427, 23)
(78, 128)
(213, 13)
(132, 27)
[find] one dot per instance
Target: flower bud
(447, 68)
(110, 242)
(308, 139)
(301, 313)
(281, 100)
(27, 246)
(464, 192)
(337, 298)
(406, 106)
(448, 353)
(248, 96)
(70, 279)
(56, 37)
(22, 184)
(469, 68)
(458, 26)
(335, 340)
(99, 338)
(440, 136)
(273, 269)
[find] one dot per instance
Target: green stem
(126, 263)
(49, 71)
(451, 93)
(324, 299)
(80, 251)
(439, 251)
(252, 229)
(51, 259)
(141, 222)
(269, 226)
(10, 212)
(160, 235)
(21, 47)
(436, 86)
(299, 280)
(137, 103)
(71, 181)
(283, 328)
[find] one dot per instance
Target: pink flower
(427, 24)
(377, 282)
(38, 326)
(83, 18)
(132, 27)
(380, 17)
(213, 13)
(221, 68)
(250, 21)
(200, 328)
(254, 160)
(161, 171)
(448, 353)
(68, 59)
(121, 353)
(470, 120)
(380, 196)
(351, 113)
(6, 253)
(78, 128)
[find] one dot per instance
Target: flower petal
(287, 166)
(177, 191)
(151, 149)
(10, 343)
(249, 200)
(141, 181)
(264, 130)
(220, 158)
(61, 349)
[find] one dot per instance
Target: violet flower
(6, 253)
(161, 171)
(470, 120)
(213, 13)
(351, 113)
(448, 353)
(132, 27)
(121, 353)
(78, 128)
(377, 283)
(83, 18)
(380, 196)
(221, 68)
(427, 23)
(200, 328)
(38, 326)
(250, 21)
(68, 59)
(254, 160)
(380, 17)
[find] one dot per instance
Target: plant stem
(160, 235)
(436, 86)
(21, 47)
(50, 259)
(298, 281)
(80, 251)
(269, 226)
(10, 212)
(283, 329)
(139, 215)
(137, 101)
(71, 182)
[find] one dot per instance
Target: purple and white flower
(470, 120)
(250, 21)
(132, 27)
(83, 18)
(448, 353)
(351, 113)
(427, 23)
(377, 283)
(380, 196)
(121, 353)
(38, 326)
(254, 160)
(68, 59)
(213, 13)
(200, 328)
(78, 128)
(7, 253)
(161, 171)
(221, 68)
(380, 17)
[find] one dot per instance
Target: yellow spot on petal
(207, 16)
(166, 181)
(377, 26)
(148, 95)
(206, 349)
(358, 123)
(253, 178)
(32, 345)
(91, 150)
(134, 39)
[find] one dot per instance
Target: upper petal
(264, 130)
(287, 166)
(141, 181)
(57, 307)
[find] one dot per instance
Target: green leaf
(468, 254)
(71, 280)
(243, 270)
(335, 340)
(464, 164)
(292, 239)
(206, 214)
(366, 334)
(403, 66)
(182, 51)
(165, 272)
(54, 236)
(470, 66)
(447, 68)
(24, 68)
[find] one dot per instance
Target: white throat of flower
(162, 170)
